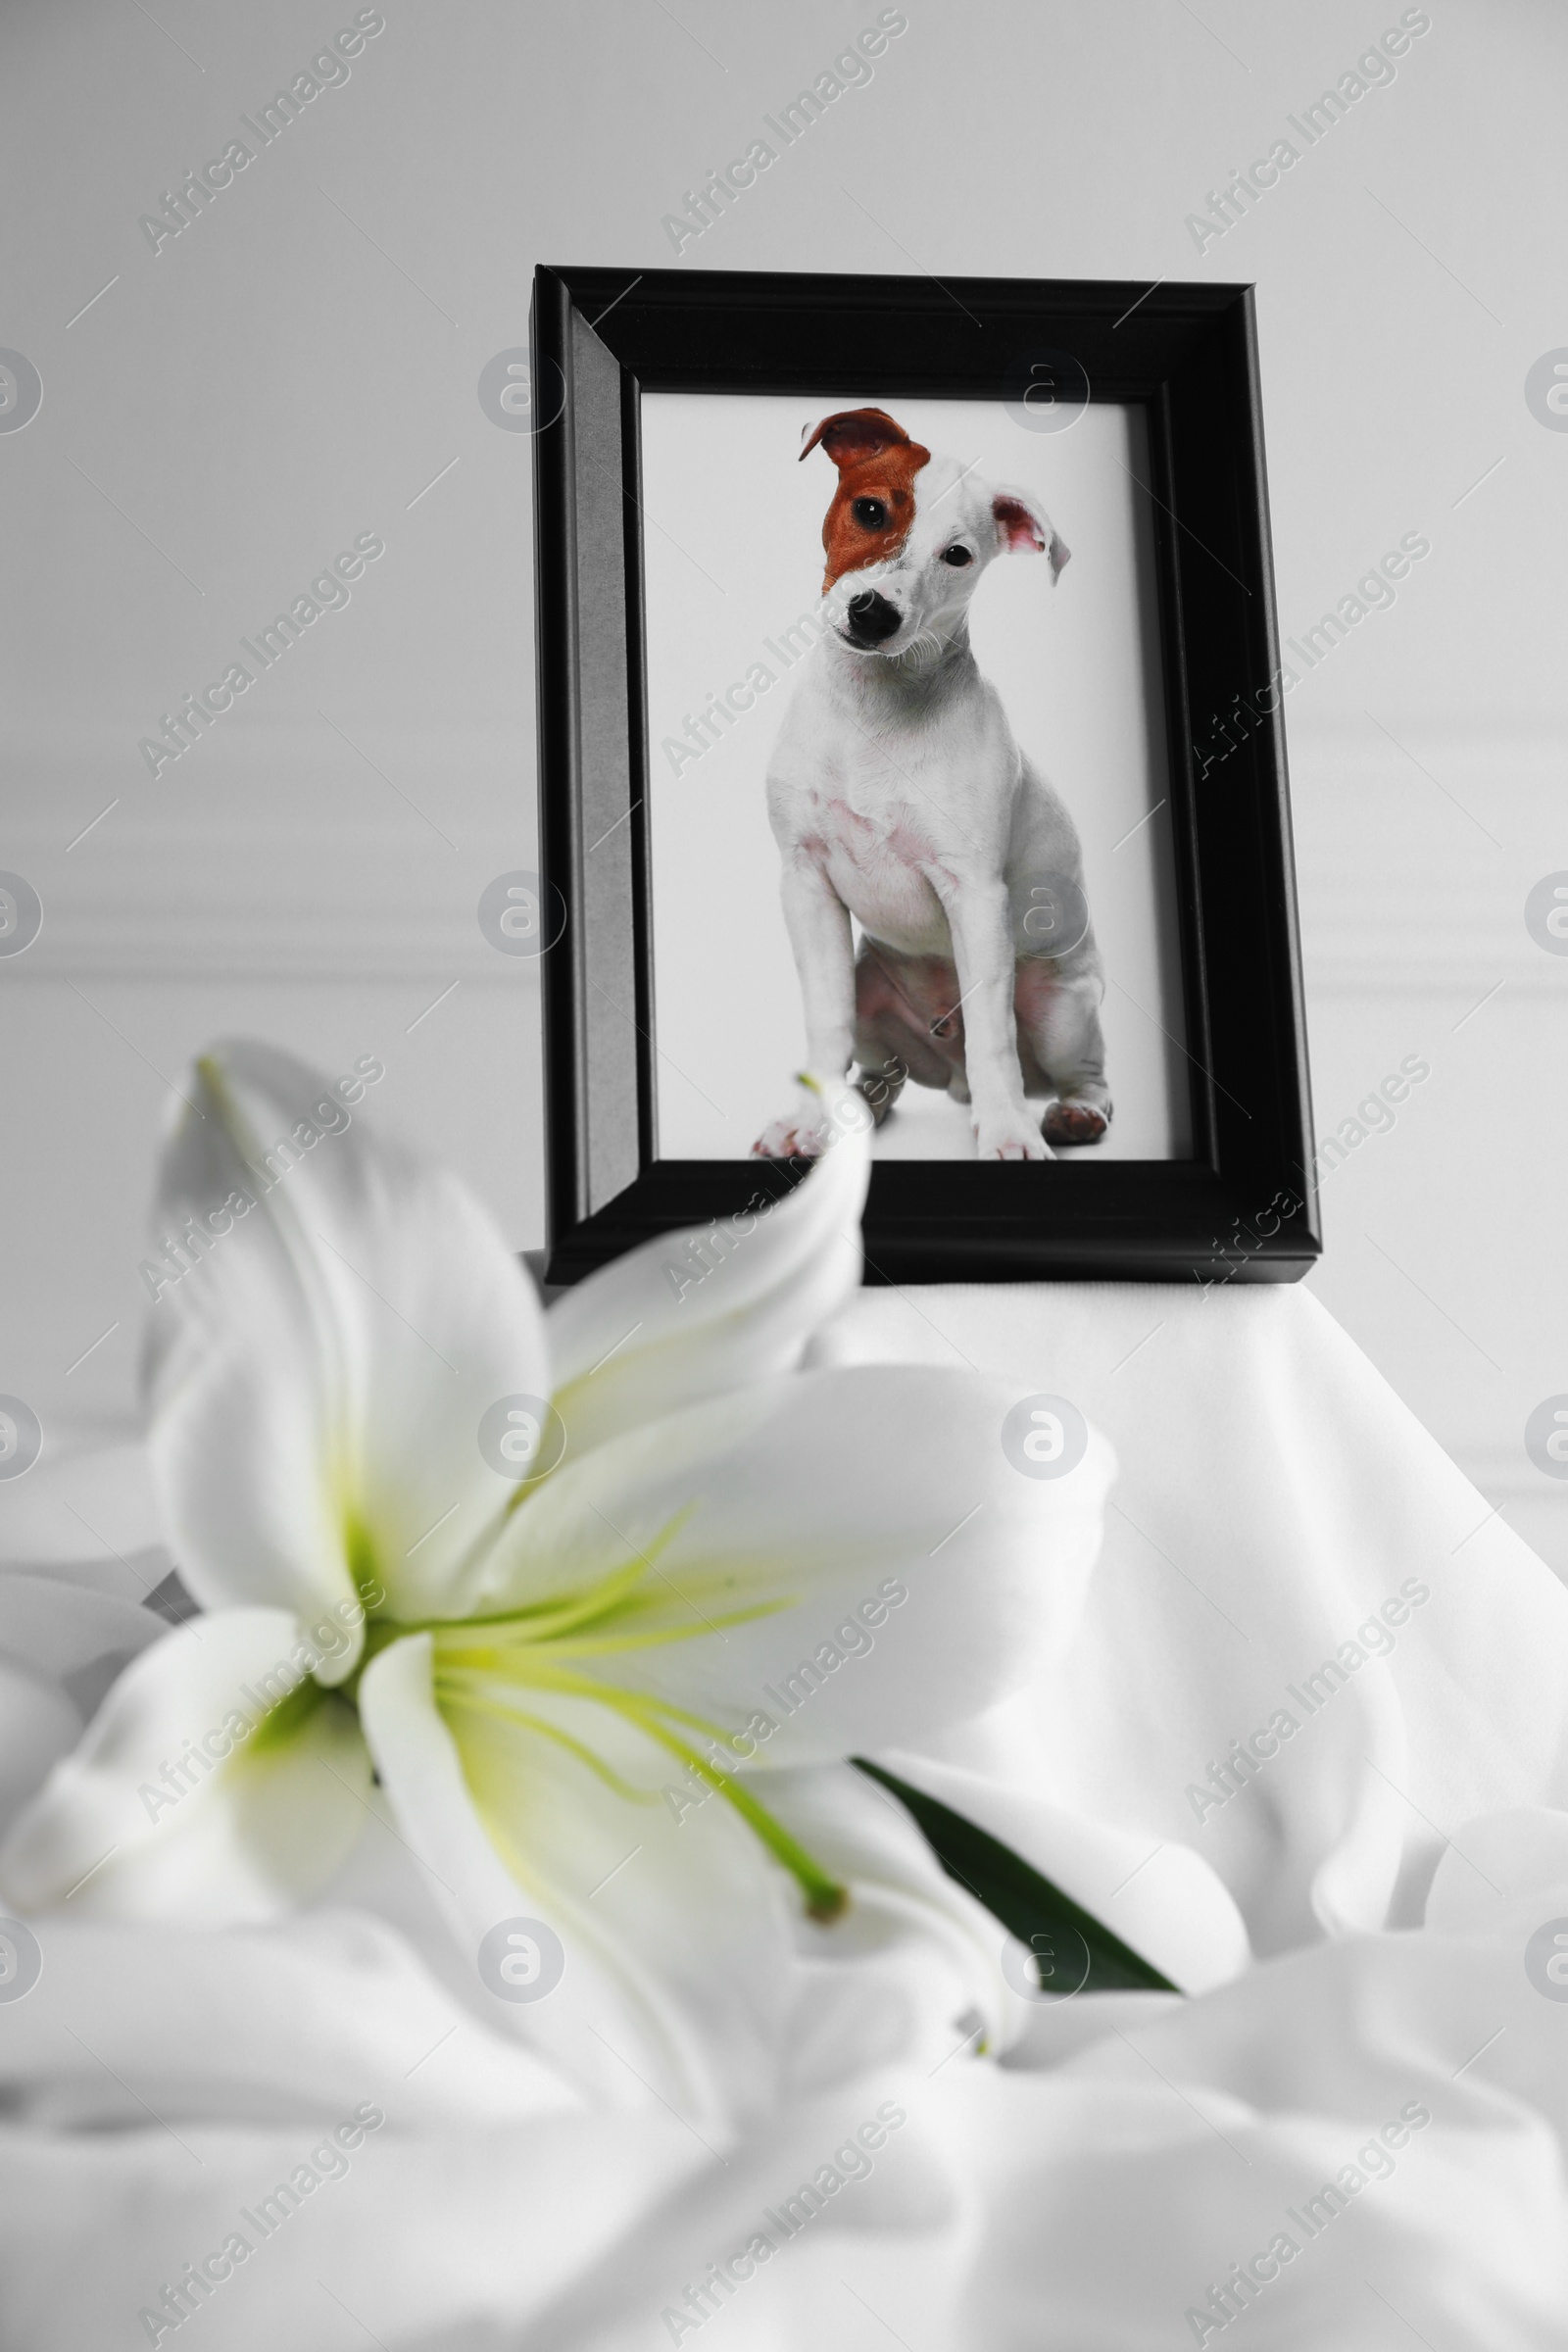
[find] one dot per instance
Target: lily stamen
(463, 1678)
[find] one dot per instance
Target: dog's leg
(818, 925)
(892, 1042)
(979, 919)
(882, 1081)
(1062, 1024)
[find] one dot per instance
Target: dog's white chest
(879, 857)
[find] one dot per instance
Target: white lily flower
(574, 1641)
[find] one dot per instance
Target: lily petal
(199, 1791)
(695, 1313)
(683, 1947)
(319, 1378)
(848, 1555)
(675, 1935)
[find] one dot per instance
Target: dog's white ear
(1024, 529)
(852, 434)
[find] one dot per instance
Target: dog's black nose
(872, 618)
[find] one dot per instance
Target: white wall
(298, 365)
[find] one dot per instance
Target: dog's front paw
(1010, 1139)
(1072, 1122)
(803, 1137)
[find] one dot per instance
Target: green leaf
(1066, 1940)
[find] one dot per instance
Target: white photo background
(733, 559)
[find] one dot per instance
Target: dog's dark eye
(870, 513)
(957, 556)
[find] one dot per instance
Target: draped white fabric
(1276, 1509)
(1349, 2127)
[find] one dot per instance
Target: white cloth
(1273, 1496)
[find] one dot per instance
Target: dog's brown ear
(853, 434)
(1025, 528)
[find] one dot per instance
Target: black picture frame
(1243, 1206)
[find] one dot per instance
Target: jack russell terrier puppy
(898, 798)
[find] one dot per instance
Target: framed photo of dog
(910, 723)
